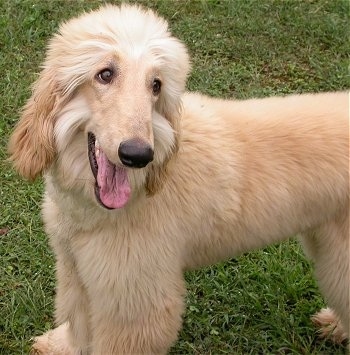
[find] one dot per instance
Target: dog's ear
(174, 74)
(31, 146)
(155, 179)
(157, 174)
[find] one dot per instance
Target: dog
(144, 181)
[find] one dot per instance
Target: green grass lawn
(259, 303)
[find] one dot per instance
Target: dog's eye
(105, 76)
(156, 85)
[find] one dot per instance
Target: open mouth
(112, 187)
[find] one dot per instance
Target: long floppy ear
(155, 179)
(169, 105)
(157, 174)
(31, 146)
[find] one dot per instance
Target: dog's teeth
(97, 148)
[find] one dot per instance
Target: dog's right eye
(105, 76)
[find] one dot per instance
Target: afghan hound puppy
(144, 181)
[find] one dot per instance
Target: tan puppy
(144, 182)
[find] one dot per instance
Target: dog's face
(113, 78)
(122, 94)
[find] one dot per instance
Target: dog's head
(114, 76)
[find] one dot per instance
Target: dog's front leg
(72, 305)
(140, 321)
(71, 337)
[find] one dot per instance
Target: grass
(259, 303)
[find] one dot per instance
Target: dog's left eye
(105, 76)
(156, 85)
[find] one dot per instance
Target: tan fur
(227, 177)
(52, 342)
(330, 325)
(32, 144)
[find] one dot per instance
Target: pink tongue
(113, 182)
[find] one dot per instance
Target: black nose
(135, 153)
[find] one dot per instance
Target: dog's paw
(329, 325)
(53, 342)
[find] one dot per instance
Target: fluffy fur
(227, 177)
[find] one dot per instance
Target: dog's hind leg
(330, 325)
(328, 246)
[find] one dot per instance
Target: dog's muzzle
(112, 186)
